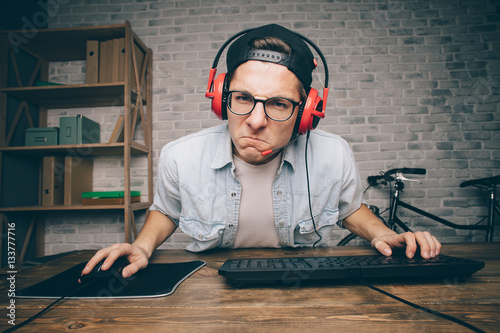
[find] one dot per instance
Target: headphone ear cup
(218, 103)
(308, 115)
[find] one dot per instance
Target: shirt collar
(224, 152)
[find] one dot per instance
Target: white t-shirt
(256, 226)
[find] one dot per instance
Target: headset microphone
(269, 151)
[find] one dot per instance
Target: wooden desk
(205, 303)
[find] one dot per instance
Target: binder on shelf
(78, 175)
(92, 61)
(117, 135)
(121, 60)
(115, 64)
(78, 130)
(102, 62)
(109, 61)
(105, 61)
(53, 181)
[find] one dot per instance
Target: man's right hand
(135, 255)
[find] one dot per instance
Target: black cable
(38, 315)
(309, 193)
(366, 189)
(422, 308)
(47, 308)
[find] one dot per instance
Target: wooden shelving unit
(24, 105)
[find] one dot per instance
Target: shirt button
(233, 195)
(279, 193)
(284, 242)
(200, 236)
(281, 224)
(230, 225)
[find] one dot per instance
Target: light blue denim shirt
(196, 187)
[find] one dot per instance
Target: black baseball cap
(301, 62)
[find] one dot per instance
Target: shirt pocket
(324, 222)
(201, 230)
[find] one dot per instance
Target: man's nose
(258, 118)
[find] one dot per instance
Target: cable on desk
(423, 308)
(47, 308)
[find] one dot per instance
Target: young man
(219, 187)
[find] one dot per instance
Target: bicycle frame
(494, 208)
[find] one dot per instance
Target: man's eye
(279, 104)
(243, 98)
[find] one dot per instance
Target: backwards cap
(300, 62)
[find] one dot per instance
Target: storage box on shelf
(24, 103)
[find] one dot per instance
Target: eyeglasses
(276, 108)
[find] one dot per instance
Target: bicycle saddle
(483, 181)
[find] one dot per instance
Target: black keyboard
(292, 269)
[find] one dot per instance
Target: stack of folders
(105, 61)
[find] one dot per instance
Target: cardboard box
(41, 136)
(78, 130)
(78, 176)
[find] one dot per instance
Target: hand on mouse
(135, 255)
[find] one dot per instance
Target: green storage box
(78, 130)
(41, 136)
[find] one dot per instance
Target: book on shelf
(108, 194)
(40, 83)
(109, 197)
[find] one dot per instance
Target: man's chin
(254, 156)
(251, 155)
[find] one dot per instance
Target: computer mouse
(98, 274)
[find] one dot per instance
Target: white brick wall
(413, 83)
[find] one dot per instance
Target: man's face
(255, 132)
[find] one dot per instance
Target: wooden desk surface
(205, 303)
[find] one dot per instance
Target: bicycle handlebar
(387, 176)
(411, 171)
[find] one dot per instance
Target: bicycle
(396, 178)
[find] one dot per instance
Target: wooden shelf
(68, 44)
(133, 206)
(94, 149)
(70, 96)
(23, 104)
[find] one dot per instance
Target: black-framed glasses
(276, 108)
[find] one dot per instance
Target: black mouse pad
(154, 281)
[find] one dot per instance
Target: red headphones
(310, 112)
